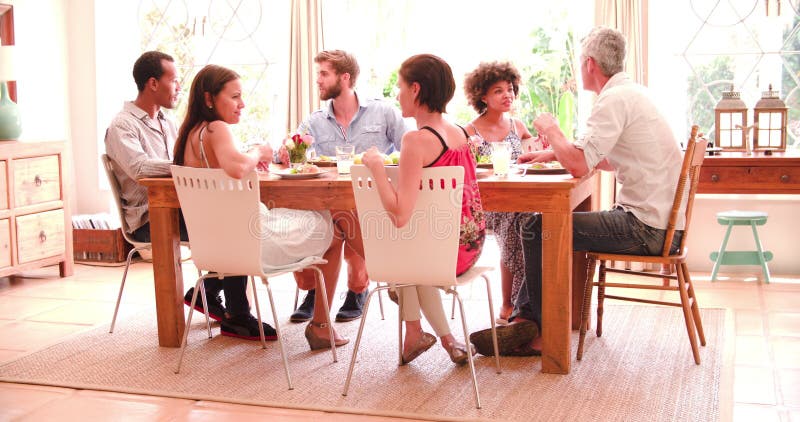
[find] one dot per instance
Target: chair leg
(121, 288)
(205, 309)
(296, 296)
(456, 297)
(698, 323)
(197, 287)
(380, 306)
(281, 344)
(687, 315)
(321, 285)
(721, 253)
(399, 327)
(453, 307)
(586, 305)
(601, 295)
(492, 321)
(258, 310)
(760, 250)
(358, 337)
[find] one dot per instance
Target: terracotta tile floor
(38, 309)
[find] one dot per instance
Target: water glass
(501, 158)
(344, 158)
(311, 154)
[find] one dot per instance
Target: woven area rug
(641, 369)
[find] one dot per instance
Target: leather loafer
(509, 337)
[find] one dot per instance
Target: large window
(702, 48)
(539, 38)
(248, 36)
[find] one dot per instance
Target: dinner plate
(531, 170)
(324, 163)
(485, 165)
(285, 174)
(481, 173)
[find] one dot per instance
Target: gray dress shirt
(140, 147)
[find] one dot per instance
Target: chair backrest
(687, 187)
(424, 251)
(222, 218)
(108, 166)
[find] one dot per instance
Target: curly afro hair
(477, 82)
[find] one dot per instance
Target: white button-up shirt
(627, 129)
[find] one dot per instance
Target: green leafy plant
(550, 85)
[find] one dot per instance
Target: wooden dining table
(555, 196)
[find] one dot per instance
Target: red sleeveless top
(473, 225)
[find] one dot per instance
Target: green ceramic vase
(10, 123)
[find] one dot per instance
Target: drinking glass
(311, 154)
(344, 158)
(501, 158)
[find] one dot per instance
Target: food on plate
(547, 165)
(357, 159)
(305, 169)
(395, 157)
(324, 158)
(485, 159)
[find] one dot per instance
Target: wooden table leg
(167, 275)
(556, 292)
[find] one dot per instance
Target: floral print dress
(506, 225)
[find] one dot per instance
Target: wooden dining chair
(222, 218)
(684, 194)
(429, 241)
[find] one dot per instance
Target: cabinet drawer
(36, 180)
(749, 179)
(5, 243)
(3, 186)
(40, 235)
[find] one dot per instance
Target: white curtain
(305, 43)
(630, 17)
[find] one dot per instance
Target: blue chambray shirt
(375, 123)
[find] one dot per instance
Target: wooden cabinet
(735, 172)
(35, 223)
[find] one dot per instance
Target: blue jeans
(614, 231)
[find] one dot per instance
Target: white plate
(285, 174)
(481, 173)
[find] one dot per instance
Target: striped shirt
(140, 147)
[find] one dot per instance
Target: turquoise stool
(757, 257)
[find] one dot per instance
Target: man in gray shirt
(346, 120)
(140, 140)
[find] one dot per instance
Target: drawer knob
(785, 178)
(42, 236)
(715, 178)
(37, 181)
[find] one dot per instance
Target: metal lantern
(731, 122)
(769, 119)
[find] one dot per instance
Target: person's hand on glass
(372, 159)
(283, 155)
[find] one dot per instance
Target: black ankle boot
(304, 312)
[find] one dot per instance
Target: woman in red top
(426, 86)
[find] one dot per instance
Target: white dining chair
(429, 241)
(108, 166)
(222, 217)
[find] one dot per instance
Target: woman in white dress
(205, 140)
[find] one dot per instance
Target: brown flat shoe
(458, 352)
(423, 344)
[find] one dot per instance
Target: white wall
(780, 235)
